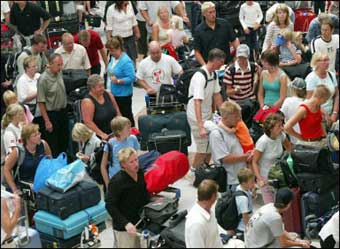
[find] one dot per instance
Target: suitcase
(317, 183)
(292, 216)
(174, 234)
(310, 202)
(73, 225)
(85, 194)
(93, 20)
(329, 199)
(148, 124)
(31, 240)
(167, 140)
(303, 18)
(74, 78)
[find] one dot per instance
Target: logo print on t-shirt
(157, 76)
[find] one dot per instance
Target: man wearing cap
(265, 228)
(241, 79)
(291, 104)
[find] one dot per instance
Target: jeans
(125, 107)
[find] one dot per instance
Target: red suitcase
(303, 17)
(292, 217)
(167, 169)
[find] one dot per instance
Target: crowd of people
(290, 73)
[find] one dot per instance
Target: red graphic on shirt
(157, 76)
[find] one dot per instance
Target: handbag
(261, 114)
(213, 172)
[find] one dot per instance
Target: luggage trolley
(156, 105)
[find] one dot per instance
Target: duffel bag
(213, 172)
(309, 159)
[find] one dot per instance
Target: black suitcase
(329, 199)
(310, 206)
(174, 234)
(84, 195)
(74, 78)
(67, 22)
(317, 183)
(94, 20)
(168, 140)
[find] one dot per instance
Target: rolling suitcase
(292, 217)
(29, 240)
(317, 183)
(168, 140)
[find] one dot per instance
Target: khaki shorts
(201, 143)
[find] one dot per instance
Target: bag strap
(21, 158)
(331, 76)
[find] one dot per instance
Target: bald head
(155, 51)
(67, 41)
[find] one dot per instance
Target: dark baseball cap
(283, 197)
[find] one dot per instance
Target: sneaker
(190, 176)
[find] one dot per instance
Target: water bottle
(290, 163)
(145, 238)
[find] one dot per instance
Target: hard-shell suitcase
(292, 217)
(85, 194)
(317, 183)
(30, 241)
(73, 225)
(168, 140)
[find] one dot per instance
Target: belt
(314, 139)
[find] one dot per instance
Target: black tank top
(103, 113)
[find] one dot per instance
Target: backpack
(11, 67)
(3, 153)
(183, 84)
(226, 210)
(93, 168)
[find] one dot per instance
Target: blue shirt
(124, 70)
(286, 55)
(131, 141)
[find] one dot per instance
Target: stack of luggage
(62, 217)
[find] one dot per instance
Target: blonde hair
(94, 80)
(316, 57)
(28, 60)
(9, 96)
(322, 92)
(288, 35)
(118, 124)
(125, 153)
(11, 111)
(229, 107)
(206, 5)
(27, 131)
(283, 8)
(163, 7)
(81, 132)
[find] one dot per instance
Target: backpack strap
(232, 71)
(252, 71)
(21, 158)
(330, 76)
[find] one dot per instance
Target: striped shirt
(242, 79)
(272, 32)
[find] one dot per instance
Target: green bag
(276, 178)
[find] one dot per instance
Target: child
(289, 54)
(10, 97)
(178, 36)
(291, 104)
(244, 204)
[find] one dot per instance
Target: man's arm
(146, 86)
(199, 57)
(43, 111)
(104, 56)
(145, 15)
(287, 241)
(218, 100)
(198, 112)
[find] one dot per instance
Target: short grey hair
(94, 80)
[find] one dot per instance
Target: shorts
(201, 143)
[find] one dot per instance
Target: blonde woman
(280, 23)
(10, 97)
(35, 150)
(161, 29)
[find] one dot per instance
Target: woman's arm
(10, 162)
(283, 91)
(260, 92)
(334, 115)
(300, 114)
(115, 105)
(136, 32)
(155, 32)
(103, 169)
(256, 167)
(47, 149)
(287, 145)
(7, 222)
(87, 109)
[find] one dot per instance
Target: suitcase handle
(180, 144)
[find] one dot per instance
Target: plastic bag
(46, 168)
(67, 177)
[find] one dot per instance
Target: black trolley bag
(168, 140)
(174, 235)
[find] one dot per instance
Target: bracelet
(335, 113)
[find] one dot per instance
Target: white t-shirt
(77, 59)
(197, 90)
(331, 228)
(250, 14)
(271, 151)
(201, 229)
(320, 45)
(157, 73)
(11, 139)
(4, 9)
(26, 87)
(289, 107)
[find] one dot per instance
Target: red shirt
(92, 50)
(310, 126)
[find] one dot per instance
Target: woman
(121, 20)
(280, 23)
(121, 127)
(273, 83)
(309, 118)
(11, 123)
(10, 97)
(121, 75)
(126, 196)
(267, 150)
(27, 83)
(321, 76)
(99, 107)
(161, 29)
(88, 142)
(35, 149)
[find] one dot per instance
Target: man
(204, 90)
(37, 49)
(149, 11)
(265, 228)
(314, 28)
(26, 17)
(327, 43)
(225, 146)
(157, 69)
(201, 229)
(51, 99)
(92, 43)
(213, 33)
(74, 55)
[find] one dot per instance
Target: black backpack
(11, 67)
(226, 210)
(183, 84)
